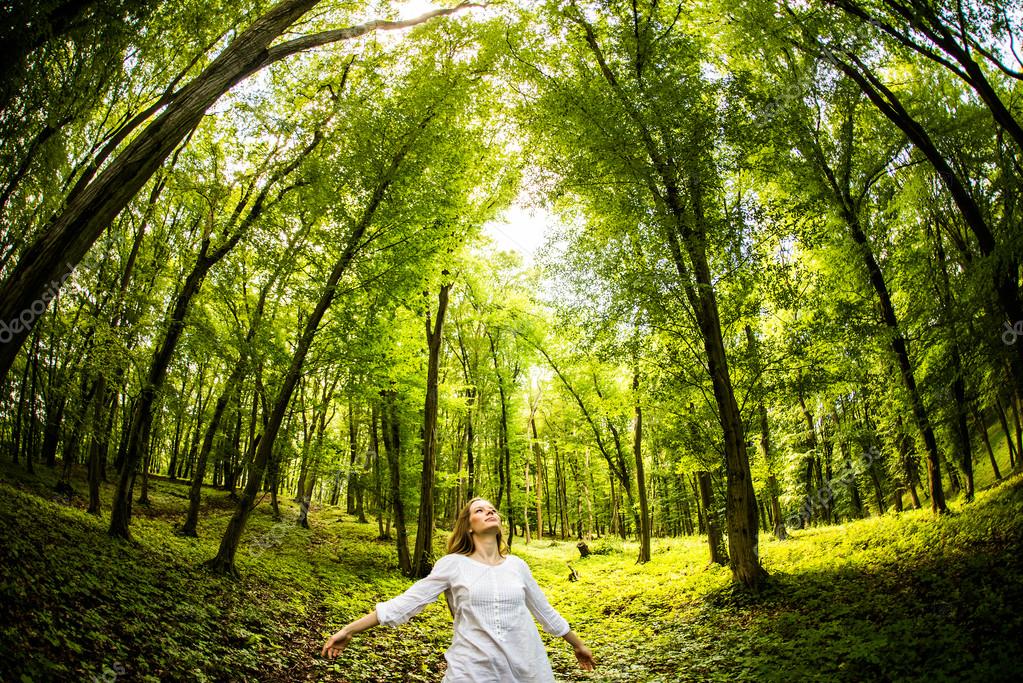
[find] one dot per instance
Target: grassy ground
(904, 597)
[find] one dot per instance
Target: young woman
(493, 598)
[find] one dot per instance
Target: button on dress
(495, 639)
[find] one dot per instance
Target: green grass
(900, 597)
(983, 473)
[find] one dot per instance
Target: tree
(93, 203)
(639, 130)
(401, 161)
(235, 228)
(422, 560)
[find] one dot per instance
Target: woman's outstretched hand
(584, 657)
(336, 643)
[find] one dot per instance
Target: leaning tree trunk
(230, 389)
(901, 352)
(233, 381)
(1004, 267)
(978, 422)
(960, 426)
(741, 505)
(687, 230)
(223, 562)
(142, 416)
(95, 201)
(421, 563)
(320, 421)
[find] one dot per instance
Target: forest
(717, 302)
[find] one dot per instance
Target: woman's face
(483, 518)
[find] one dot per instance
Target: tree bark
(637, 451)
(714, 540)
(422, 562)
(978, 423)
(392, 445)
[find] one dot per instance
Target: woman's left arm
(583, 655)
(551, 621)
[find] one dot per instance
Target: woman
(491, 595)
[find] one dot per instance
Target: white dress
(495, 638)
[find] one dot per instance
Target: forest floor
(896, 597)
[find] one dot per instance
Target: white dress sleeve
(420, 594)
(541, 609)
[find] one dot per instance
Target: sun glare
(414, 8)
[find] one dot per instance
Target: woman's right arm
(397, 610)
(339, 641)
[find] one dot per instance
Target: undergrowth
(898, 597)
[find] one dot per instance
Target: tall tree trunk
(98, 443)
(51, 430)
(504, 452)
(1014, 401)
(960, 427)
(978, 423)
(320, 422)
(900, 350)
(146, 467)
(562, 485)
(741, 508)
(614, 525)
(360, 491)
(538, 459)
(392, 445)
(378, 495)
(422, 561)
(584, 487)
(1014, 455)
(773, 490)
(470, 463)
(878, 492)
(525, 505)
(714, 540)
(688, 232)
(229, 390)
(351, 472)
(637, 451)
(30, 442)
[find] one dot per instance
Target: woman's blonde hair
(461, 540)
